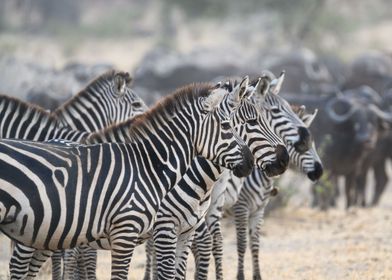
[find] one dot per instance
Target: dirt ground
(298, 243)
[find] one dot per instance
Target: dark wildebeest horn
(385, 116)
(337, 117)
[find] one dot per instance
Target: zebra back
(21, 120)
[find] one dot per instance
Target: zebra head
(286, 124)
(268, 149)
(218, 141)
(308, 162)
(126, 104)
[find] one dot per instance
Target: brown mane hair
(167, 105)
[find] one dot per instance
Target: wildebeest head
(356, 112)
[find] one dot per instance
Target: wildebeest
(346, 130)
(374, 70)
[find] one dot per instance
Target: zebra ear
(309, 118)
(215, 97)
(276, 84)
(301, 111)
(241, 91)
(262, 86)
(121, 81)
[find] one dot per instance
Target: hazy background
(129, 35)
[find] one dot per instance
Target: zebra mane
(26, 107)
(103, 78)
(166, 107)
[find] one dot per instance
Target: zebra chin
(281, 163)
(316, 173)
(244, 168)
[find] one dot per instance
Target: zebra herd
(118, 174)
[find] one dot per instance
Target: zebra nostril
(316, 173)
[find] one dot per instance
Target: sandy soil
(297, 243)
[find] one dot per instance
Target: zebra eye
(226, 125)
(137, 104)
(252, 121)
(275, 110)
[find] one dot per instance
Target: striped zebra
(113, 190)
(247, 200)
(106, 100)
(254, 197)
(29, 122)
(285, 123)
(203, 182)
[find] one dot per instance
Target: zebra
(207, 180)
(254, 197)
(247, 200)
(21, 120)
(105, 101)
(159, 145)
(287, 124)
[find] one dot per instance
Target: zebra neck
(66, 133)
(85, 112)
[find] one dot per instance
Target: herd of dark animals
(351, 130)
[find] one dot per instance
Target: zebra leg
(122, 251)
(255, 222)
(20, 261)
(381, 179)
(217, 249)
(184, 244)
(149, 259)
(57, 265)
(165, 241)
(241, 215)
(70, 263)
(202, 248)
(87, 262)
(38, 259)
